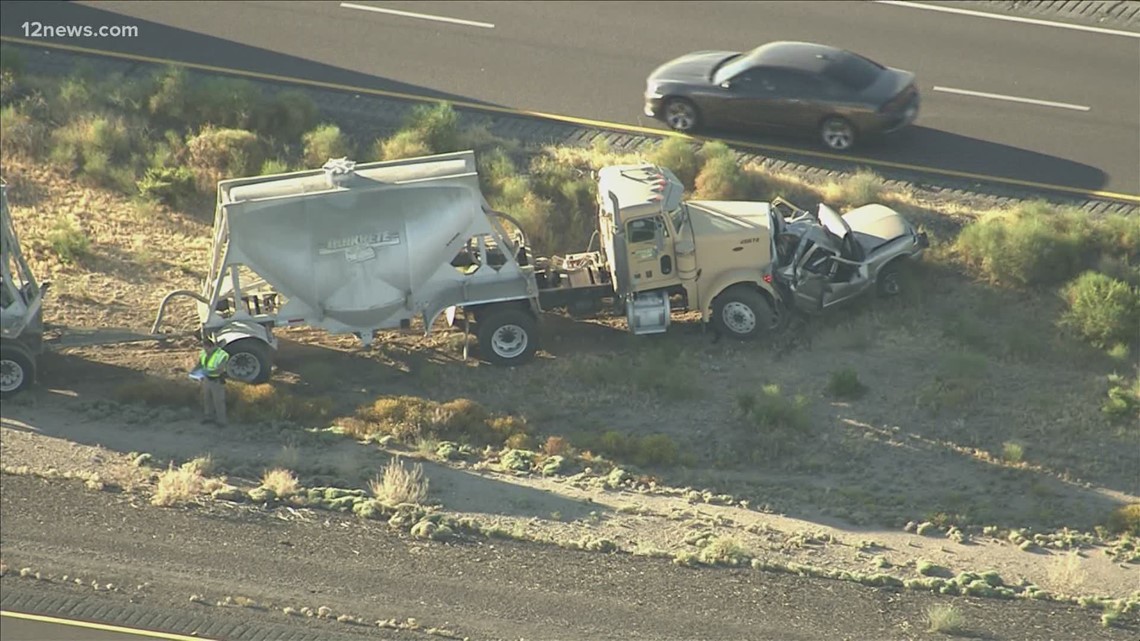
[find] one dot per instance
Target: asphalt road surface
(15, 629)
(1081, 129)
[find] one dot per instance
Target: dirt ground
(950, 379)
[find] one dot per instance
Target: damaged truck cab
(659, 253)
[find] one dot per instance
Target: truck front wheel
(743, 312)
(507, 336)
(17, 369)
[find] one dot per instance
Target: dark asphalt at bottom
(23, 630)
(477, 589)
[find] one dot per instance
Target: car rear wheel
(837, 133)
(681, 115)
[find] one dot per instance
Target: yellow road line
(587, 122)
(103, 627)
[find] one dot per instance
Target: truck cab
(715, 256)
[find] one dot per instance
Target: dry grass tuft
(253, 403)
(282, 481)
(1066, 575)
(400, 484)
(862, 188)
(945, 619)
(184, 484)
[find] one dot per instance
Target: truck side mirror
(685, 247)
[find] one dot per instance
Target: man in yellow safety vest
(212, 363)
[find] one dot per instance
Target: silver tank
(363, 246)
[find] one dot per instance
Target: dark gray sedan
(797, 87)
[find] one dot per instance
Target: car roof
(805, 56)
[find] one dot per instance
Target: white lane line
(421, 16)
(994, 16)
(998, 96)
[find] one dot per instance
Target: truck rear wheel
(743, 312)
(507, 336)
(251, 361)
(17, 369)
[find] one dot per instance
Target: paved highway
(1015, 100)
(24, 627)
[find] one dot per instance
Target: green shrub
(217, 154)
(572, 194)
(404, 144)
(1102, 310)
(411, 420)
(274, 166)
(1123, 403)
(657, 450)
(173, 100)
(720, 176)
(287, 116)
(437, 126)
(845, 383)
(861, 188)
(171, 186)
(1033, 244)
(20, 131)
(1012, 452)
(68, 241)
(98, 148)
(323, 143)
(774, 410)
(190, 103)
(1125, 520)
(679, 156)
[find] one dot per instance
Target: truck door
(652, 260)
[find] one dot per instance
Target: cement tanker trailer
(356, 248)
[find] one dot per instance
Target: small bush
(773, 410)
(217, 154)
(21, 132)
(569, 219)
(724, 551)
(679, 156)
(287, 116)
(945, 619)
(98, 148)
(254, 403)
(171, 186)
(410, 419)
(657, 450)
(845, 383)
(400, 484)
(323, 143)
(1102, 310)
(1033, 244)
(556, 446)
(1123, 403)
(1012, 452)
(1125, 520)
(437, 126)
(404, 144)
(861, 188)
(721, 178)
(68, 241)
(929, 568)
(183, 484)
(1065, 573)
(282, 481)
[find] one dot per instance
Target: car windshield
(853, 71)
(730, 68)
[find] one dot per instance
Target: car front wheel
(837, 134)
(681, 115)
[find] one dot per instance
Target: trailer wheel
(17, 369)
(251, 361)
(507, 336)
(743, 312)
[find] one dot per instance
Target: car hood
(693, 67)
(877, 221)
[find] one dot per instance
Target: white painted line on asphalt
(998, 96)
(995, 16)
(421, 16)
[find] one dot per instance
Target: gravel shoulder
(480, 590)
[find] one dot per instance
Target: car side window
(794, 84)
